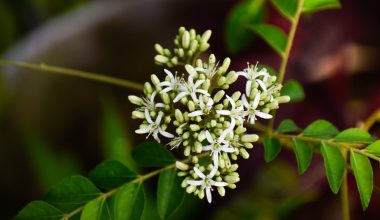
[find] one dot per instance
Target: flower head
(206, 182)
(252, 110)
(154, 127)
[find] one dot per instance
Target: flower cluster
(193, 113)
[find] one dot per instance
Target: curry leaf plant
(190, 110)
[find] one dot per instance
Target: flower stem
(285, 56)
(70, 72)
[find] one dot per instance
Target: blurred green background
(53, 126)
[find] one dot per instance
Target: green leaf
(96, 209)
(273, 35)
(286, 126)
(111, 174)
(334, 165)
(152, 154)
(116, 141)
(170, 194)
(71, 193)
(272, 148)
(37, 210)
(288, 7)
(374, 148)
(128, 202)
(303, 153)
(294, 90)
(317, 5)
(354, 135)
(364, 177)
(246, 13)
(320, 129)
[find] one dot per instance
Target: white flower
(175, 142)
(273, 90)
(172, 84)
(252, 111)
(236, 113)
(149, 103)
(252, 75)
(209, 72)
(154, 127)
(206, 182)
(190, 88)
(204, 108)
(216, 146)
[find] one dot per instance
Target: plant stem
(371, 120)
(70, 72)
(344, 192)
(285, 56)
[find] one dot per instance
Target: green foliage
(96, 209)
(37, 210)
(334, 166)
(111, 174)
(287, 8)
(272, 148)
(287, 126)
(170, 194)
(303, 153)
(116, 141)
(71, 193)
(246, 13)
(320, 129)
(317, 5)
(128, 202)
(354, 135)
(152, 154)
(294, 90)
(374, 148)
(274, 36)
(362, 169)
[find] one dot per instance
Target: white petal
(155, 136)
(195, 113)
(165, 133)
(263, 115)
(152, 96)
(256, 101)
(210, 102)
(214, 183)
(242, 73)
(233, 123)
(166, 90)
(180, 96)
(200, 69)
(169, 73)
(231, 101)
(159, 105)
(195, 182)
(199, 173)
(248, 86)
(208, 194)
(203, 92)
(194, 97)
(147, 116)
(198, 83)
(209, 137)
(144, 130)
(164, 83)
(206, 148)
(223, 112)
(245, 102)
(262, 85)
(159, 117)
(228, 149)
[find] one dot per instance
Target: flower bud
(138, 115)
(178, 115)
(231, 179)
(206, 36)
(186, 39)
(250, 138)
(195, 127)
(221, 191)
(218, 96)
(165, 97)
(231, 77)
(190, 189)
(221, 81)
(201, 194)
(148, 88)
(135, 100)
(244, 153)
(160, 59)
(154, 79)
(181, 166)
(159, 48)
(190, 69)
(283, 99)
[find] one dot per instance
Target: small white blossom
(272, 90)
(175, 142)
(236, 113)
(252, 110)
(209, 72)
(149, 103)
(252, 75)
(154, 127)
(217, 145)
(206, 182)
(190, 88)
(204, 108)
(170, 85)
